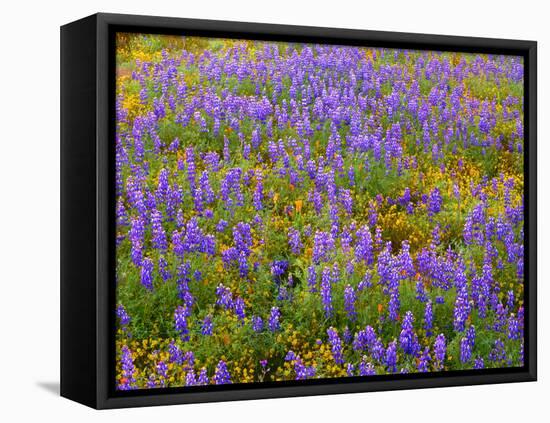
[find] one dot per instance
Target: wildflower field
(293, 211)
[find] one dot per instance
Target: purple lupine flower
(258, 192)
(294, 241)
(336, 345)
(366, 282)
(203, 377)
(364, 339)
(326, 291)
(147, 273)
(197, 199)
(335, 273)
(363, 246)
(163, 269)
(158, 233)
(206, 188)
(347, 335)
(238, 306)
(435, 202)
(197, 274)
(221, 375)
(242, 237)
(317, 201)
(226, 150)
(500, 318)
(243, 264)
(510, 300)
(180, 322)
(391, 357)
(278, 269)
(349, 302)
(290, 355)
(121, 215)
(462, 306)
(378, 351)
(405, 199)
(465, 350)
(428, 318)
(514, 331)
(386, 266)
(207, 326)
(182, 283)
(479, 363)
(420, 292)
(162, 370)
(274, 319)
(346, 240)
(394, 304)
(351, 176)
(436, 236)
(302, 371)
(151, 382)
(424, 360)
(190, 378)
(498, 352)
(312, 278)
(225, 297)
(128, 370)
(373, 214)
(366, 369)
(176, 354)
(471, 335)
(408, 339)
(440, 349)
(136, 234)
(191, 169)
(323, 246)
(222, 224)
(257, 324)
(189, 357)
(122, 315)
(405, 260)
(284, 293)
(346, 200)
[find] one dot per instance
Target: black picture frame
(87, 209)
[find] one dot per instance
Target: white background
(29, 199)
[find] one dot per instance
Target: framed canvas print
(255, 211)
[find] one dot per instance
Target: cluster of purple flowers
(221, 375)
(128, 370)
(180, 322)
(336, 345)
(147, 273)
(467, 345)
(207, 326)
(391, 357)
(274, 323)
(302, 371)
(408, 340)
(294, 241)
(326, 291)
(228, 301)
(316, 175)
(123, 316)
(323, 246)
(440, 350)
(349, 302)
